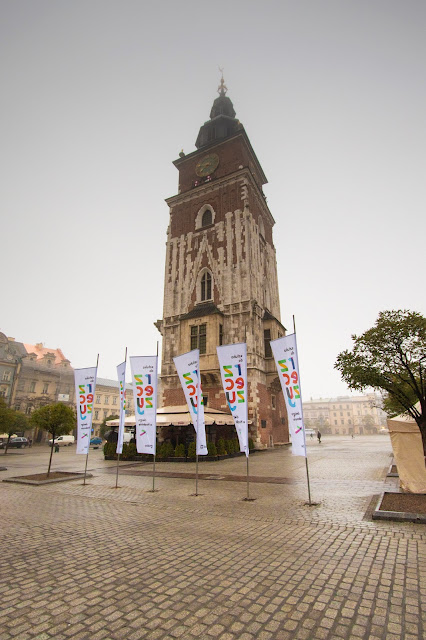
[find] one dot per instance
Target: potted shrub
(180, 453)
(212, 449)
(221, 449)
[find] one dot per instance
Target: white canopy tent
(179, 416)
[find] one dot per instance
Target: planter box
(407, 510)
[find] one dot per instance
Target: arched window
(206, 286)
(207, 218)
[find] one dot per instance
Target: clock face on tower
(207, 165)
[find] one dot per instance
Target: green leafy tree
(391, 357)
(11, 421)
(57, 419)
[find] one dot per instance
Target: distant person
(311, 435)
(319, 436)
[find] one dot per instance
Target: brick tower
(221, 281)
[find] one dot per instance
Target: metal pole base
(312, 504)
(152, 490)
(248, 499)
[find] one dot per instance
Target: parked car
(15, 443)
(62, 441)
(96, 442)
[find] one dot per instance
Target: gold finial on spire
(222, 88)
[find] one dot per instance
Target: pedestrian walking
(319, 436)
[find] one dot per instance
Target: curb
(399, 516)
(72, 476)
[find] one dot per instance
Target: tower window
(220, 334)
(199, 337)
(207, 218)
(267, 343)
(206, 286)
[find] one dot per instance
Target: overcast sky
(99, 97)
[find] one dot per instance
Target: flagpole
(306, 452)
(248, 450)
(199, 400)
(248, 481)
(153, 471)
(124, 392)
(198, 426)
(88, 446)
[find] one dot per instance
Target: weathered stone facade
(221, 282)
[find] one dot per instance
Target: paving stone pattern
(100, 563)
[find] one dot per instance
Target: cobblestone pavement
(100, 563)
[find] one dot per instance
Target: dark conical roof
(222, 121)
(222, 106)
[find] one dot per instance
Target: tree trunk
(7, 445)
(422, 426)
(51, 454)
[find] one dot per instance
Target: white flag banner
(233, 371)
(285, 354)
(85, 384)
(145, 388)
(188, 367)
(121, 374)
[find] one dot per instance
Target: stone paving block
(345, 570)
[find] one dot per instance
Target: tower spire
(222, 123)
(222, 88)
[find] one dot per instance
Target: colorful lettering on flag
(286, 360)
(85, 385)
(233, 371)
(145, 387)
(188, 367)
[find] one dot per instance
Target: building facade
(46, 376)
(107, 402)
(345, 415)
(221, 282)
(11, 355)
(32, 376)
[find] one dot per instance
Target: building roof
(222, 123)
(40, 351)
(200, 310)
(106, 382)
